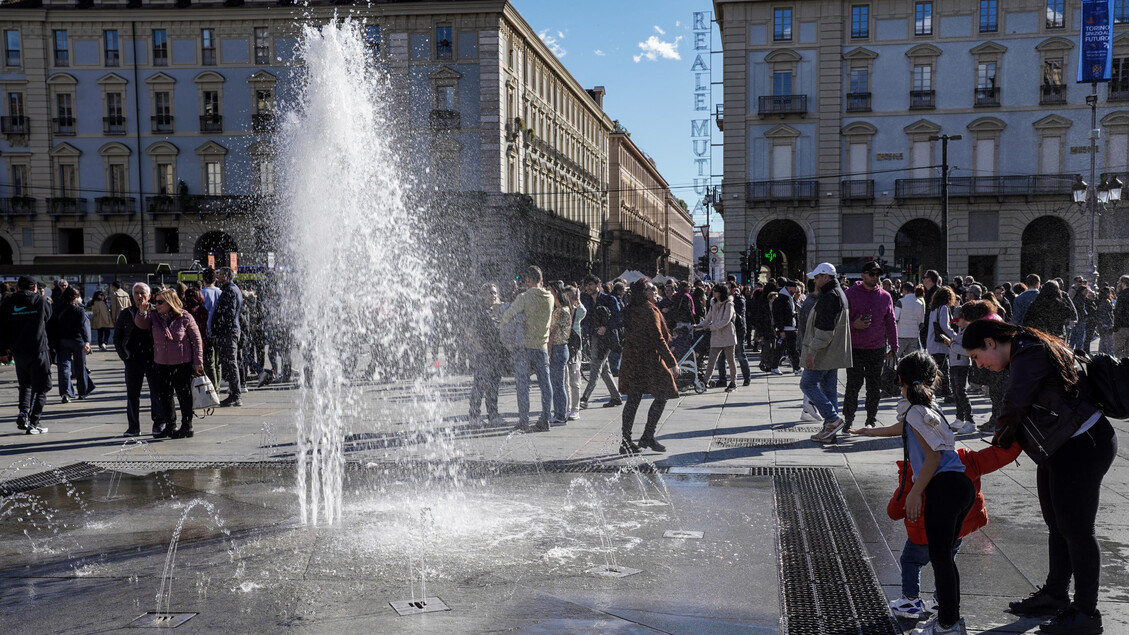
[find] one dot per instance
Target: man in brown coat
(647, 365)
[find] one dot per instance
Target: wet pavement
(517, 558)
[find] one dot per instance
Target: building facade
(146, 129)
(647, 229)
(834, 114)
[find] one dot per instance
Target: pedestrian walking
(649, 366)
(1120, 330)
(1050, 312)
(784, 309)
(559, 333)
(739, 327)
(225, 326)
(102, 322)
(940, 333)
(73, 346)
(178, 351)
(134, 347)
(909, 314)
(536, 306)
(827, 348)
(486, 352)
(211, 354)
(874, 341)
(605, 323)
(723, 336)
(23, 337)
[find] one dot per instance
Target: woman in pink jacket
(178, 351)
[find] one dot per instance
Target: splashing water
(358, 277)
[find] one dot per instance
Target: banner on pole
(1095, 41)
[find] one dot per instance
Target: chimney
(597, 95)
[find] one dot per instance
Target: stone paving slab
(1004, 561)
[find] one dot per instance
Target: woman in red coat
(646, 366)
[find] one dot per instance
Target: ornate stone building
(833, 114)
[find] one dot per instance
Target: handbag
(937, 332)
(204, 395)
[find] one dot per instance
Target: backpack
(1102, 382)
(601, 315)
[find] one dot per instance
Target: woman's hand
(674, 373)
(198, 369)
(913, 506)
(86, 348)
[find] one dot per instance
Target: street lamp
(1108, 193)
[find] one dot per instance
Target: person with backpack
(1073, 445)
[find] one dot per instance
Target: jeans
(907, 345)
(868, 363)
(739, 354)
(820, 387)
(950, 496)
(72, 363)
(487, 376)
(227, 348)
(1069, 482)
(212, 361)
(1078, 336)
(958, 378)
(104, 336)
(598, 367)
(33, 374)
(537, 361)
(558, 361)
(137, 372)
(174, 379)
(914, 557)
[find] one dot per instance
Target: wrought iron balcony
(163, 204)
(262, 122)
(973, 186)
(17, 206)
(987, 96)
(64, 125)
(217, 204)
(1052, 94)
(922, 99)
(856, 190)
(66, 206)
(445, 119)
(113, 125)
(15, 125)
(917, 188)
(211, 123)
(115, 205)
(782, 105)
(794, 191)
(858, 102)
(162, 123)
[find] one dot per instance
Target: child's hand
(867, 432)
(913, 506)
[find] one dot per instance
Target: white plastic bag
(204, 394)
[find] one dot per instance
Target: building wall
(1004, 145)
(638, 212)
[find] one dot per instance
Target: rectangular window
(162, 112)
(445, 97)
(19, 180)
(860, 80)
(1055, 17)
(1052, 72)
(117, 180)
(211, 102)
(782, 83)
(264, 177)
(15, 104)
(208, 47)
(213, 178)
(160, 47)
(1120, 11)
(262, 45)
(986, 75)
(114, 121)
(113, 57)
(782, 25)
(860, 21)
(1119, 79)
(923, 18)
(264, 102)
(62, 49)
(372, 36)
(988, 15)
(923, 77)
(166, 185)
(68, 180)
(443, 42)
(64, 114)
(12, 48)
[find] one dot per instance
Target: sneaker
(827, 435)
(748, 381)
(35, 428)
(65, 399)
(1073, 620)
(731, 387)
(573, 415)
(967, 428)
(930, 604)
(933, 627)
(231, 403)
(989, 426)
(907, 607)
(557, 421)
(131, 433)
(807, 416)
(798, 371)
(583, 404)
(1041, 602)
(776, 371)
(613, 403)
(102, 347)
(541, 426)
(21, 421)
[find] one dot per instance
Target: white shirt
(909, 313)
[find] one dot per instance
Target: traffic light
(704, 263)
(744, 262)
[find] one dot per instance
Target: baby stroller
(684, 347)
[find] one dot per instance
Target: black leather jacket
(1036, 391)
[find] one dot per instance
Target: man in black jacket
(1121, 319)
(23, 335)
(135, 347)
(225, 328)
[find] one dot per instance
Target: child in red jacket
(915, 553)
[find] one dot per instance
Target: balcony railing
(64, 125)
(1118, 92)
(971, 186)
(17, 206)
(922, 99)
(987, 96)
(1052, 94)
(782, 105)
(115, 206)
(445, 119)
(66, 206)
(211, 123)
(858, 102)
(262, 122)
(852, 190)
(15, 125)
(794, 191)
(217, 204)
(113, 125)
(162, 123)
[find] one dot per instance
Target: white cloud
(659, 30)
(654, 49)
(553, 42)
(678, 23)
(599, 52)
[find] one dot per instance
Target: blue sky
(641, 52)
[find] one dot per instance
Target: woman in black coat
(1050, 311)
(73, 345)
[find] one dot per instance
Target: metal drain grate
(753, 442)
(49, 478)
(826, 583)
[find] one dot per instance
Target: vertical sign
(211, 261)
(234, 263)
(1095, 50)
(700, 124)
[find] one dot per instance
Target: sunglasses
(158, 302)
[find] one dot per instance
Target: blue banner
(1095, 41)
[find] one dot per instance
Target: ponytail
(1062, 358)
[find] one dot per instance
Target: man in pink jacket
(872, 329)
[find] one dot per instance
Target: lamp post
(945, 139)
(1107, 193)
(711, 198)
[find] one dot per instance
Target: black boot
(627, 447)
(184, 431)
(648, 438)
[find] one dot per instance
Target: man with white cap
(826, 349)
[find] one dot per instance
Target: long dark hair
(1051, 289)
(919, 373)
(721, 290)
(1062, 359)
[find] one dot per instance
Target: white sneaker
(827, 435)
(930, 604)
(908, 607)
(933, 627)
(776, 371)
(807, 416)
(573, 415)
(967, 427)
